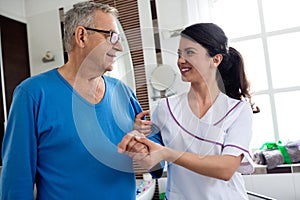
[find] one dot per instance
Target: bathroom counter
(148, 192)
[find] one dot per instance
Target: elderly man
(64, 125)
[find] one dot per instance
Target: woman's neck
(201, 97)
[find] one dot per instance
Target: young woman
(205, 133)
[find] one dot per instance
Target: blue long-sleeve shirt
(66, 145)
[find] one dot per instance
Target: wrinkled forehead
(105, 21)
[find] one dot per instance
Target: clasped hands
(135, 144)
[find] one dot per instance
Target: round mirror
(162, 77)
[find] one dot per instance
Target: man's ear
(80, 36)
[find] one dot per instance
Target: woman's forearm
(216, 166)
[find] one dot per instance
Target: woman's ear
(80, 36)
(217, 59)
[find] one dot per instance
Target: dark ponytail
(232, 79)
(231, 76)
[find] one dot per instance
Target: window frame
(270, 91)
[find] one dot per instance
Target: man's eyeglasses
(114, 37)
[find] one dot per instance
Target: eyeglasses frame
(105, 31)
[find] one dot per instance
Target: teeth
(185, 69)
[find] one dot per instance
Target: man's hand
(143, 126)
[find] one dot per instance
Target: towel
(274, 157)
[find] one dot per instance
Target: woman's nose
(181, 59)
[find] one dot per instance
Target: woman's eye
(189, 52)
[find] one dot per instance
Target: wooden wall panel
(129, 19)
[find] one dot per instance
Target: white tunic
(225, 129)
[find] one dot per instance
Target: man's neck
(89, 86)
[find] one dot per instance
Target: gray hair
(82, 14)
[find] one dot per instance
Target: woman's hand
(155, 155)
(130, 146)
(144, 152)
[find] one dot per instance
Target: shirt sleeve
(238, 137)
(19, 149)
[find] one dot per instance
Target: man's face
(101, 50)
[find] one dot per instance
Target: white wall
(35, 7)
(44, 34)
(14, 9)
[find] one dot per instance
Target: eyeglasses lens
(114, 38)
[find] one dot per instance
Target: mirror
(162, 78)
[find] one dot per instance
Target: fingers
(138, 147)
(123, 145)
(142, 114)
(139, 151)
(129, 144)
(155, 155)
(143, 126)
(134, 145)
(150, 144)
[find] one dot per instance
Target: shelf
(285, 168)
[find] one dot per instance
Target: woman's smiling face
(194, 62)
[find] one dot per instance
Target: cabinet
(282, 183)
